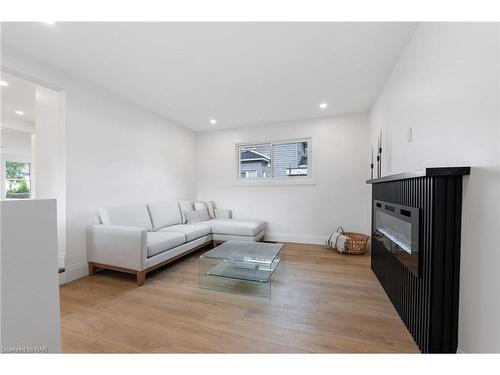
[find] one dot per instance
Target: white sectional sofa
(137, 239)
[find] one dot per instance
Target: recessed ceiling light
(3, 83)
(213, 121)
(323, 105)
(20, 113)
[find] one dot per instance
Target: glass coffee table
(240, 267)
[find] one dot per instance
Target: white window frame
(283, 180)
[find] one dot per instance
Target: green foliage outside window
(17, 179)
(15, 169)
(22, 187)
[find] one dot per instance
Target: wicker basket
(357, 243)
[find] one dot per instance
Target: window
(17, 180)
(283, 161)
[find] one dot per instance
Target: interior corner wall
(295, 213)
(48, 153)
(116, 154)
(445, 87)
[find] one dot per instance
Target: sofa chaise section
(239, 230)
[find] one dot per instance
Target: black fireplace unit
(415, 251)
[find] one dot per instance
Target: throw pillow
(203, 208)
(185, 207)
(197, 216)
(209, 206)
(204, 214)
(192, 217)
(211, 209)
(199, 205)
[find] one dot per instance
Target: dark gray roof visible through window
(252, 155)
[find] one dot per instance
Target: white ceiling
(239, 73)
(19, 95)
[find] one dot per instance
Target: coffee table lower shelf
(230, 279)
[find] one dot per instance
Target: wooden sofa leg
(141, 277)
(214, 243)
(91, 269)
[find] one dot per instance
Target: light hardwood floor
(322, 302)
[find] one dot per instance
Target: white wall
(16, 143)
(116, 153)
(16, 124)
(49, 172)
(306, 213)
(445, 86)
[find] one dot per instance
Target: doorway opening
(32, 146)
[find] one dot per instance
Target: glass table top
(245, 252)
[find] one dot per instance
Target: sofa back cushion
(132, 216)
(164, 214)
(185, 206)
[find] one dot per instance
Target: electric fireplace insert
(396, 229)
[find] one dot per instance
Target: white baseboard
(297, 238)
(73, 272)
(60, 259)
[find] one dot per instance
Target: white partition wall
(29, 283)
(49, 156)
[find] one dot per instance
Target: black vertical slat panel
(416, 285)
(456, 268)
(405, 290)
(426, 260)
(448, 267)
(427, 304)
(411, 291)
(424, 185)
(438, 262)
(429, 199)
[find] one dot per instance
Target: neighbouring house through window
(284, 160)
(251, 174)
(17, 180)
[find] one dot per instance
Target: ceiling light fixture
(20, 113)
(3, 83)
(213, 121)
(323, 105)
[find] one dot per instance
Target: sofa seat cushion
(191, 231)
(164, 214)
(236, 227)
(131, 216)
(158, 242)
